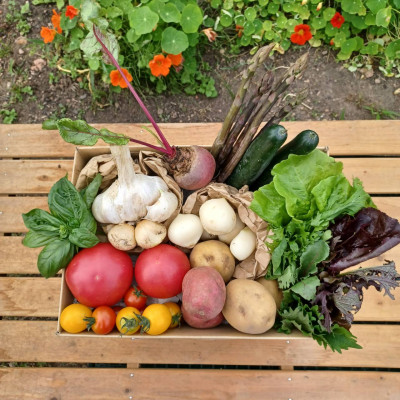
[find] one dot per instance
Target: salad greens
(308, 194)
(67, 227)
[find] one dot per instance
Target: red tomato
(100, 275)
(134, 297)
(102, 320)
(159, 271)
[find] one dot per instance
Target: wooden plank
(15, 258)
(29, 297)
(12, 208)
(342, 137)
(167, 384)
(37, 341)
(31, 176)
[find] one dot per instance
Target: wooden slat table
(37, 364)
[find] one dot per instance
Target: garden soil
(334, 92)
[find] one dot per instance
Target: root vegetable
(185, 230)
(149, 234)
(122, 237)
(215, 254)
(228, 237)
(217, 216)
(203, 293)
(272, 287)
(198, 323)
(163, 208)
(243, 245)
(249, 307)
(207, 236)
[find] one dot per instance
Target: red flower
(176, 59)
(337, 20)
(47, 34)
(301, 34)
(56, 20)
(71, 12)
(118, 80)
(331, 42)
(239, 30)
(160, 65)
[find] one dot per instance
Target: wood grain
(342, 137)
(37, 341)
(31, 176)
(167, 384)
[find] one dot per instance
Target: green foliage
(18, 15)
(8, 116)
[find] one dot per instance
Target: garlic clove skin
(163, 208)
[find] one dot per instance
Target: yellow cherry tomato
(72, 318)
(156, 319)
(128, 320)
(176, 314)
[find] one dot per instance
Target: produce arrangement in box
(255, 234)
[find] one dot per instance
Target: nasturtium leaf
(125, 5)
(174, 41)
(267, 25)
(226, 20)
(281, 21)
(315, 42)
(376, 5)
(359, 22)
(193, 39)
(288, 7)
(105, 3)
(250, 13)
(354, 7)
(396, 3)
(304, 13)
(113, 12)
(383, 17)
(371, 48)
(215, 3)
(67, 24)
(228, 5)
(170, 13)
(328, 13)
(359, 43)
(318, 23)
(370, 19)
(248, 28)
(143, 20)
(339, 39)
(290, 24)
(392, 51)
(349, 46)
(94, 64)
(273, 8)
(263, 3)
(60, 4)
(191, 18)
(245, 40)
(268, 35)
(240, 19)
(116, 24)
(209, 22)
(258, 25)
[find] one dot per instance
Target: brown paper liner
(255, 265)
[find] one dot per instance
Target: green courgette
(305, 142)
(257, 156)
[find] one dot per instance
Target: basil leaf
(40, 220)
(55, 256)
(66, 203)
(80, 133)
(82, 237)
(89, 193)
(88, 222)
(35, 239)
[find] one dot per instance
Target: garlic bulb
(127, 199)
(162, 209)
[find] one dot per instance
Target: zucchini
(257, 156)
(305, 142)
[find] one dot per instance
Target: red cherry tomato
(117, 309)
(102, 320)
(100, 275)
(159, 271)
(134, 297)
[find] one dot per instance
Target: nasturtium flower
(160, 65)
(47, 34)
(337, 20)
(118, 80)
(71, 12)
(331, 42)
(56, 20)
(210, 33)
(239, 30)
(319, 6)
(301, 34)
(176, 59)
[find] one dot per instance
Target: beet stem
(168, 149)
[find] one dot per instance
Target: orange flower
(47, 34)
(239, 30)
(176, 59)
(212, 35)
(331, 42)
(301, 34)
(337, 20)
(71, 12)
(56, 20)
(118, 80)
(160, 65)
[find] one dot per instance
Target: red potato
(198, 323)
(203, 293)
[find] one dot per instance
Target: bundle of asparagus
(257, 100)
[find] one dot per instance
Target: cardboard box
(82, 156)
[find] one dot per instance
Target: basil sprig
(67, 227)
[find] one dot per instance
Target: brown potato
(272, 287)
(215, 254)
(249, 307)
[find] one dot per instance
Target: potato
(249, 307)
(215, 254)
(149, 234)
(272, 287)
(203, 293)
(198, 323)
